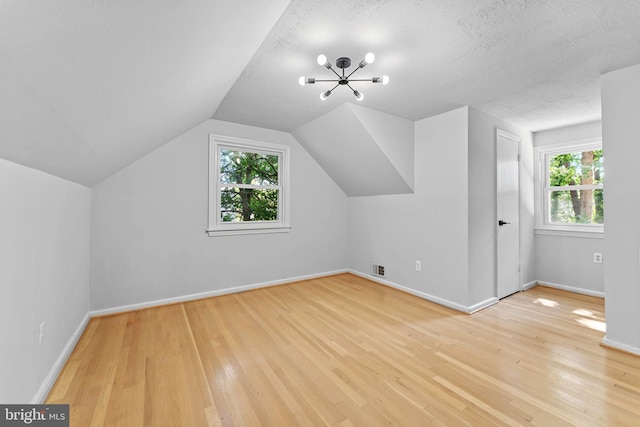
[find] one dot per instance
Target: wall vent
(377, 270)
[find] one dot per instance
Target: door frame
(516, 139)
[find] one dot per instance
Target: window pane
(576, 207)
(248, 204)
(579, 168)
(243, 167)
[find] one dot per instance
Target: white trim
(282, 225)
(482, 305)
(428, 297)
(208, 294)
(575, 187)
(192, 297)
(50, 379)
(516, 139)
(620, 346)
(563, 147)
(540, 181)
(572, 289)
(507, 135)
(52, 376)
(258, 230)
(583, 232)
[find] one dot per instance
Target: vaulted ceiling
(87, 87)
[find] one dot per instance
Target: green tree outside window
(576, 193)
(250, 190)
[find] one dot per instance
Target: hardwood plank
(345, 351)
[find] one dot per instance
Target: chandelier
(343, 80)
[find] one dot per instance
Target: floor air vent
(377, 270)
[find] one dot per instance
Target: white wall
(449, 223)
(44, 274)
(483, 214)
(621, 144)
(366, 152)
(149, 220)
(395, 137)
(567, 261)
(429, 225)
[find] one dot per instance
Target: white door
(508, 220)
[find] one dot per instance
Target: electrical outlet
(597, 257)
(418, 266)
(41, 332)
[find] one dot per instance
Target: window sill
(225, 231)
(587, 232)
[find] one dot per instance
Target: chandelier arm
(351, 74)
(357, 93)
(360, 80)
(334, 72)
(327, 80)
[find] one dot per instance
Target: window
(248, 186)
(572, 190)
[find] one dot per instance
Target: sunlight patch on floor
(587, 313)
(546, 302)
(596, 325)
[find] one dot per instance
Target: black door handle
(501, 223)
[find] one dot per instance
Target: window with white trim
(571, 187)
(248, 186)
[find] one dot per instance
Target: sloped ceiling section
(533, 63)
(366, 152)
(87, 87)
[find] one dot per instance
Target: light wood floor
(343, 351)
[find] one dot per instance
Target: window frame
(543, 189)
(216, 227)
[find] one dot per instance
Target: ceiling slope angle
(366, 152)
(90, 87)
(533, 63)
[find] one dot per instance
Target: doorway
(508, 220)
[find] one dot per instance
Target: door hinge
(518, 157)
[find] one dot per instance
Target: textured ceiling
(87, 87)
(535, 63)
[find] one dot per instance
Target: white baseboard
(428, 297)
(619, 346)
(49, 380)
(208, 294)
(572, 289)
(483, 304)
(52, 376)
